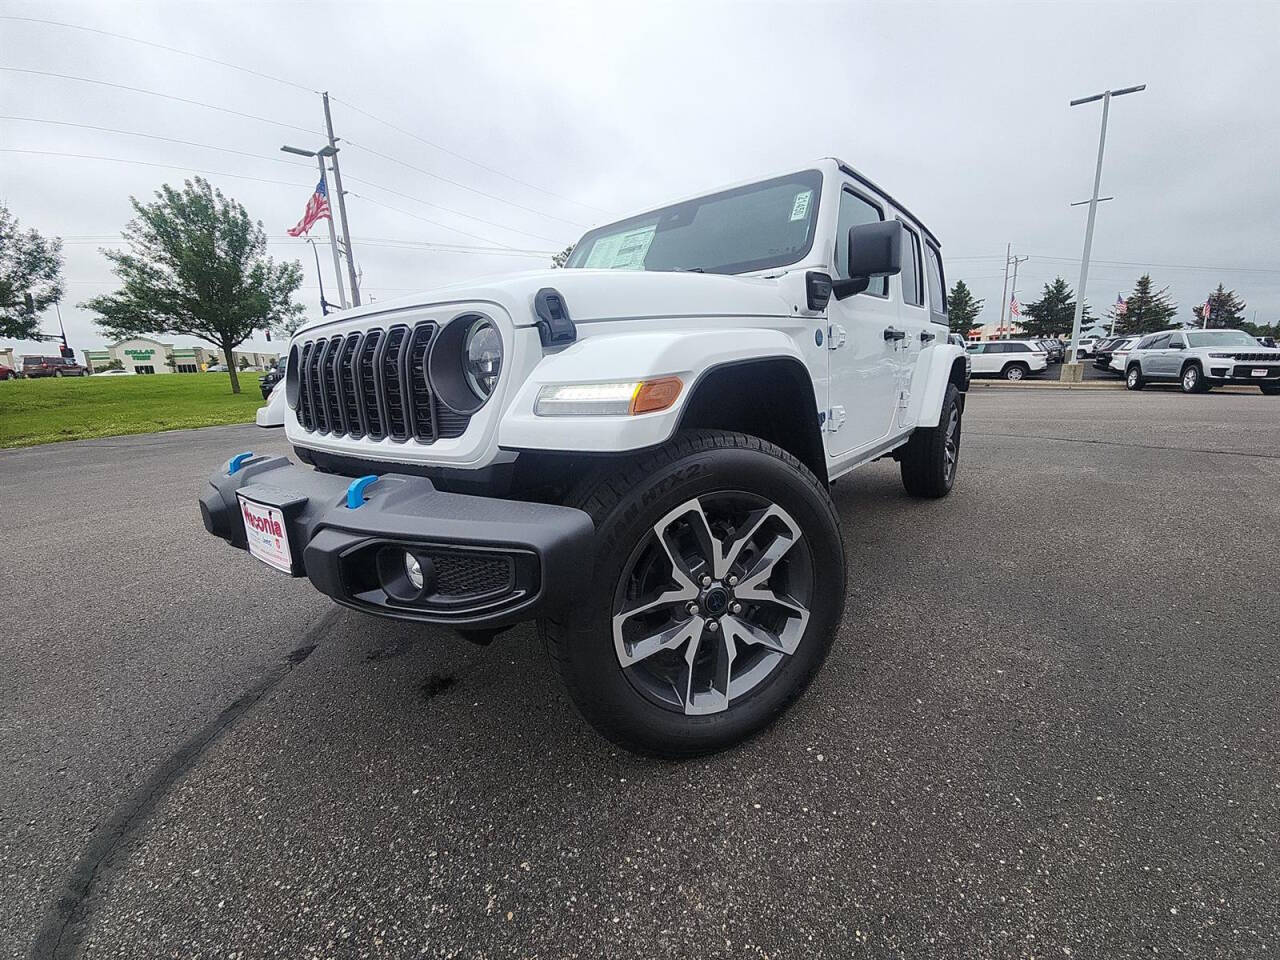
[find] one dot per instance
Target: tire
(1014, 372)
(930, 457)
(662, 702)
(1133, 379)
(57, 373)
(1192, 379)
(1270, 389)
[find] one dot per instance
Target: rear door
(861, 363)
(1156, 361)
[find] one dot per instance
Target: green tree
(113, 364)
(197, 267)
(963, 309)
(561, 258)
(1146, 310)
(1054, 313)
(171, 362)
(244, 363)
(30, 278)
(1225, 310)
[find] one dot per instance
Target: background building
(144, 355)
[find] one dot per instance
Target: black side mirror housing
(875, 250)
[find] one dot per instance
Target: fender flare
(937, 373)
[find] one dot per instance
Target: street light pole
(342, 202)
(1076, 371)
(333, 239)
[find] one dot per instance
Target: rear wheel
(1015, 371)
(718, 585)
(57, 373)
(1192, 379)
(1133, 378)
(930, 457)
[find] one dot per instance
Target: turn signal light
(654, 395)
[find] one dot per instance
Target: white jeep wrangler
(634, 451)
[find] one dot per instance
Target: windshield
(762, 225)
(1220, 338)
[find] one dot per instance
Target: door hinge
(836, 336)
(836, 419)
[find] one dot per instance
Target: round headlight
(482, 357)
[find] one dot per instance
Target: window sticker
(622, 251)
(800, 206)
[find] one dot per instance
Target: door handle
(926, 336)
(891, 334)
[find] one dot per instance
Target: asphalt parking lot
(1050, 727)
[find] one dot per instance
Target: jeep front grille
(1255, 356)
(374, 384)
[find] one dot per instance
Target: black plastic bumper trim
(549, 547)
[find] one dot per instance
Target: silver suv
(1201, 359)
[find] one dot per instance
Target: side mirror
(875, 250)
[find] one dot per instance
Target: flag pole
(333, 238)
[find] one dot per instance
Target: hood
(593, 295)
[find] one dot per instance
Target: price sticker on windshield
(800, 206)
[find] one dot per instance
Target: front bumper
(487, 563)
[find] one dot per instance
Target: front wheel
(930, 457)
(1270, 389)
(1192, 379)
(1133, 378)
(717, 588)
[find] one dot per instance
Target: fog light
(413, 570)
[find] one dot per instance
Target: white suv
(1010, 359)
(634, 451)
(1200, 359)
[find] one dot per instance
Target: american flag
(317, 208)
(1015, 310)
(1122, 306)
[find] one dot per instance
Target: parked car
(956, 340)
(1010, 359)
(1054, 350)
(115, 372)
(1102, 351)
(1120, 354)
(7, 372)
(216, 368)
(1085, 347)
(273, 376)
(1201, 359)
(52, 367)
(655, 494)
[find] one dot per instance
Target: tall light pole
(320, 155)
(342, 201)
(1073, 369)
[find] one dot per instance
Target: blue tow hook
(355, 492)
(236, 462)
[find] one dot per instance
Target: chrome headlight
(482, 357)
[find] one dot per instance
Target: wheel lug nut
(706, 581)
(713, 625)
(737, 608)
(693, 609)
(733, 581)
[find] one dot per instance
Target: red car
(52, 367)
(7, 373)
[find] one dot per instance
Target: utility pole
(324, 304)
(1013, 293)
(1004, 293)
(324, 182)
(342, 201)
(1072, 369)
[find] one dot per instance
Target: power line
(456, 213)
(157, 93)
(466, 159)
(473, 236)
(148, 163)
(160, 46)
(152, 136)
(461, 186)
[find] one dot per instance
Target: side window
(912, 292)
(977, 347)
(1177, 341)
(1160, 343)
(1000, 347)
(1144, 343)
(853, 211)
(937, 284)
(1017, 348)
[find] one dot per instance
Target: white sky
(958, 109)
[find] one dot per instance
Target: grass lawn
(76, 408)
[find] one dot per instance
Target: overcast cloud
(958, 109)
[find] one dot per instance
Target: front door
(913, 318)
(861, 362)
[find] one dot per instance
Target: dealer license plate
(1260, 373)
(268, 537)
